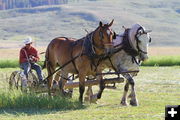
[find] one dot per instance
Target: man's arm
(22, 56)
(36, 56)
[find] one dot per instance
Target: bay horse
(87, 51)
(131, 48)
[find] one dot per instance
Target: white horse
(131, 48)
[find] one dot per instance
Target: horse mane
(88, 45)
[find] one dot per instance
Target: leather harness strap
(73, 61)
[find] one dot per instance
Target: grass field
(156, 87)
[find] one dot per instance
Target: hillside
(47, 22)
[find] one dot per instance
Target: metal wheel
(32, 80)
(16, 80)
(14, 77)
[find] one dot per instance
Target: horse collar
(127, 46)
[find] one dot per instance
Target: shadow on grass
(19, 103)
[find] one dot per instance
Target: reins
(63, 66)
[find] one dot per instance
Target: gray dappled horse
(131, 48)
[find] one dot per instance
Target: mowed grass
(156, 87)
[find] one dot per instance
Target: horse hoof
(130, 96)
(123, 103)
(93, 98)
(67, 94)
(133, 103)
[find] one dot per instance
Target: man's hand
(32, 58)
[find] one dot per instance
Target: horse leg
(101, 87)
(81, 86)
(133, 101)
(130, 80)
(57, 76)
(50, 70)
(89, 94)
(62, 82)
(55, 82)
(124, 98)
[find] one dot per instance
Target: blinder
(114, 36)
(143, 32)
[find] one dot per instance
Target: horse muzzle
(108, 48)
(143, 57)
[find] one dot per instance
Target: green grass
(162, 61)
(156, 87)
(12, 63)
(152, 61)
(9, 63)
(16, 99)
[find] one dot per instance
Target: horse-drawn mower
(17, 81)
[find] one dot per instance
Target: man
(28, 58)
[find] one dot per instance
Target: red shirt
(24, 53)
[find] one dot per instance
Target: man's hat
(28, 40)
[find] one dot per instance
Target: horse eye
(140, 31)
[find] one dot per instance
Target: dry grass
(13, 53)
(164, 51)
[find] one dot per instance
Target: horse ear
(114, 36)
(100, 24)
(147, 31)
(111, 23)
(124, 27)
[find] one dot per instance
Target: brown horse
(87, 51)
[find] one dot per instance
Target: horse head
(103, 37)
(139, 39)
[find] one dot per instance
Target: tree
(10, 4)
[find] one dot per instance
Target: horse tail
(44, 64)
(46, 58)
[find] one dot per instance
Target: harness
(127, 46)
(89, 50)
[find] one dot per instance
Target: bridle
(129, 48)
(138, 41)
(101, 37)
